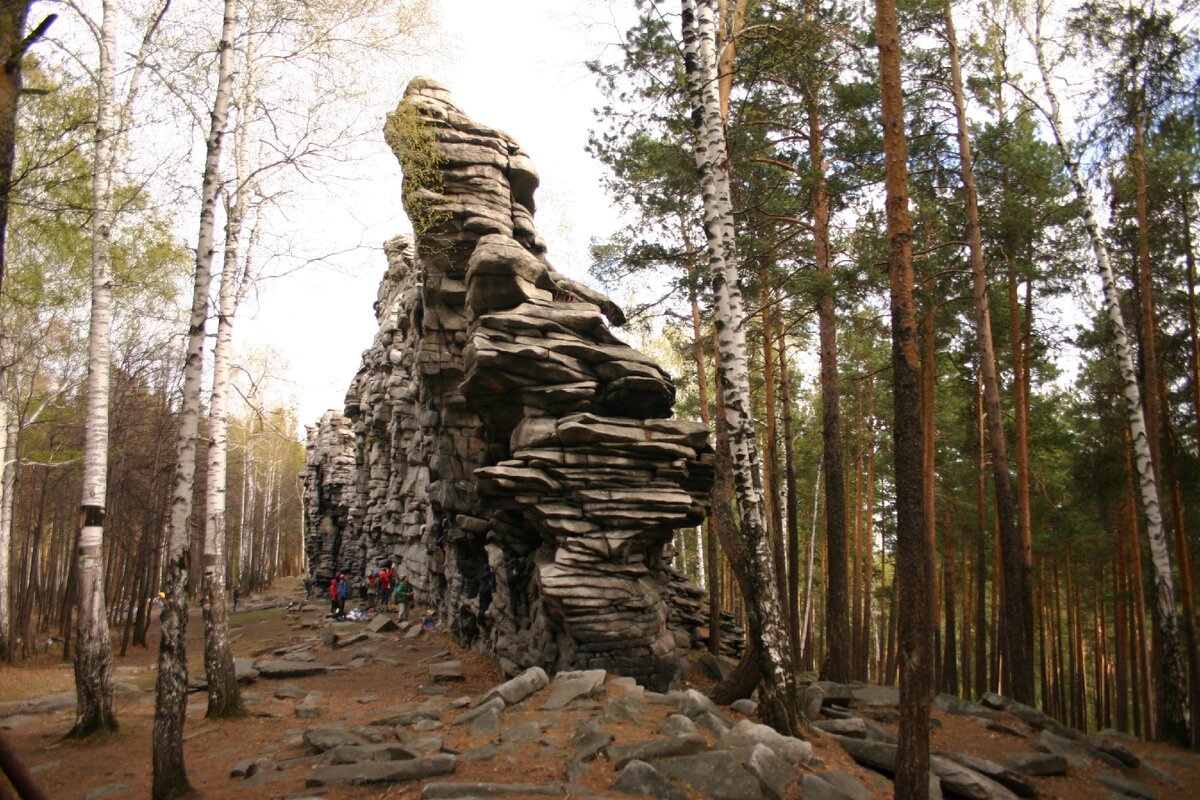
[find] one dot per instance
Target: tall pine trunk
(170, 776)
(766, 616)
(1018, 591)
(912, 561)
(1173, 726)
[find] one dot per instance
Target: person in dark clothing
(237, 595)
(487, 585)
(343, 589)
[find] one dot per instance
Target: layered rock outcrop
(511, 455)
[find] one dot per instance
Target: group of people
(382, 588)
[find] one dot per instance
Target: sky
(514, 66)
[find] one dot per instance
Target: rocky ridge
(512, 455)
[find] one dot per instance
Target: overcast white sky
(515, 66)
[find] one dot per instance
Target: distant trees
(998, 246)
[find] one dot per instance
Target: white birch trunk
(7, 473)
(812, 552)
(767, 621)
(93, 650)
(1174, 668)
(170, 776)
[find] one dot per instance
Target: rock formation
(510, 454)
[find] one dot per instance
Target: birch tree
(170, 776)
(1175, 726)
(93, 650)
(767, 629)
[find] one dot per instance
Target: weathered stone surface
(518, 688)
(1008, 778)
(463, 791)
(357, 753)
(640, 778)
(717, 774)
(652, 749)
(1126, 787)
(745, 706)
(677, 725)
(590, 740)
(962, 781)
(816, 787)
(289, 669)
(499, 435)
(487, 724)
(876, 755)
(568, 686)
(867, 696)
(494, 704)
(446, 672)
(1076, 754)
(383, 623)
(1038, 764)
(383, 771)
(847, 785)
(773, 773)
(327, 737)
(743, 736)
(853, 727)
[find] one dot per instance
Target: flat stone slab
(517, 689)
(382, 623)
(962, 781)
(278, 670)
(383, 771)
(568, 686)
(639, 778)
(869, 696)
(846, 786)
(347, 641)
(446, 672)
(653, 749)
(327, 737)
(1008, 778)
(1126, 787)
(717, 774)
(358, 753)
(876, 755)
(852, 727)
(444, 790)
(590, 740)
(742, 737)
(774, 775)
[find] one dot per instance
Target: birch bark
(767, 629)
(170, 777)
(1175, 723)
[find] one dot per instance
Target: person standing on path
(343, 589)
(402, 593)
(333, 596)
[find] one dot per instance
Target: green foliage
(415, 145)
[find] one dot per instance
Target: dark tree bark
(912, 562)
(1018, 592)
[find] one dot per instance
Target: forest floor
(382, 676)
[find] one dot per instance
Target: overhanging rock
(501, 436)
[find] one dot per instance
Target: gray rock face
(852, 727)
(1008, 778)
(962, 781)
(473, 791)
(1126, 787)
(498, 434)
(639, 778)
(841, 784)
(288, 669)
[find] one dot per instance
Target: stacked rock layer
(511, 455)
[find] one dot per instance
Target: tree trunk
(792, 510)
(767, 629)
(912, 561)
(771, 438)
(170, 776)
(1173, 727)
(837, 603)
(8, 466)
(1018, 592)
(93, 649)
